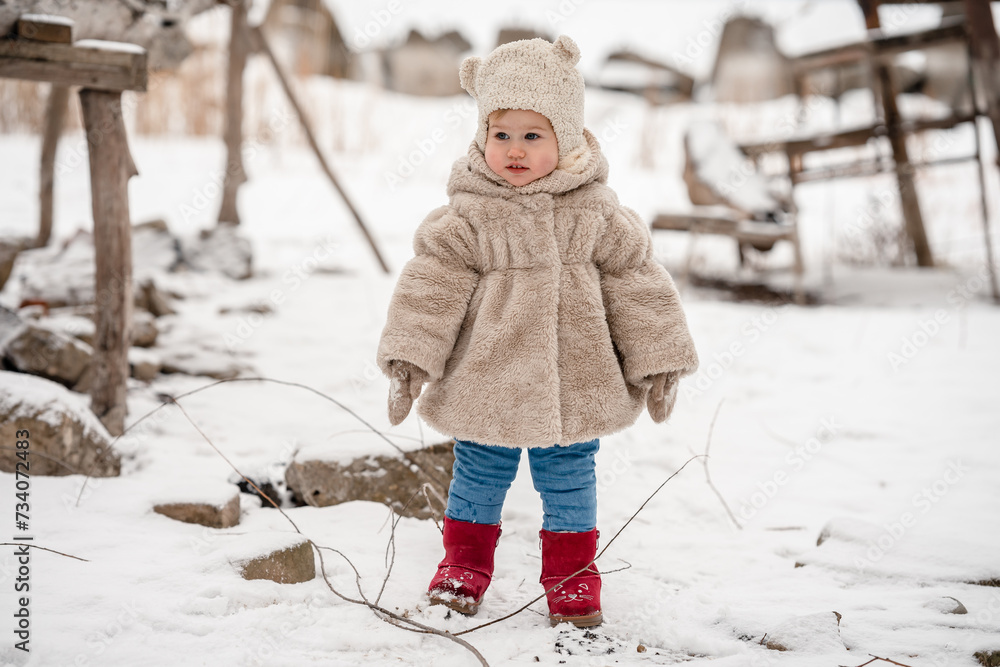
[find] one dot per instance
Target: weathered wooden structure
(973, 30)
(103, 70)
(889, 126)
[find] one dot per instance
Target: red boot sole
(587, 621)
(456, 603)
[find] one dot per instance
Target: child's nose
(515, 151)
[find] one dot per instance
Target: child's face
(521, 146)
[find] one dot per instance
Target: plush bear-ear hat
(530, 74)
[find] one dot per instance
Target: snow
(47, 18)
(105, 45)
(872, 417)
(31, 396)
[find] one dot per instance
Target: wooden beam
(55, 115)
(882, 48)
(88, 63)
(856, 137)
(984, 54)
(45, 28)
(985, 59)
(111, 167)
(912, 217)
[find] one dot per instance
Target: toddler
(535, 311)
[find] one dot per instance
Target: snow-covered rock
(285, 558)
(50, 354)
(391, 480)
(143, 364)
(211, 514)
(947, 605)
(59, 426)
(221, 248)
(814, 633)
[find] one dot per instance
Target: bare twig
(584, 568)
(35, 546)
(390, 547)
(627, 566)
(428, 489)
(233, 466)
(889, 660)
(173, 399)
(381, 612)
(708, 476)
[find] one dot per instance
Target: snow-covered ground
(871, 418)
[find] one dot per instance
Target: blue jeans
(563, 476)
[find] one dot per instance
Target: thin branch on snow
(381, 612)
(173, 399)
(708, 476)
(875, 658)
(427, 489)
(35, 546)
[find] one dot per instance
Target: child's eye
(501, 135)
(531, 135)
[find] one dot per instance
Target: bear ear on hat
(567, 48)
(467, 73)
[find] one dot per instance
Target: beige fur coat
(538, 311)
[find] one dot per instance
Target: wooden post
(55, 115)
(239, 45)
(110, 168)
(986, 59)
(261, 42)
(897, 139)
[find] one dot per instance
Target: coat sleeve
(643, 309)
(432, 295)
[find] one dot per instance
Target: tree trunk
(55, 115)
(110, 168)
(235, 175)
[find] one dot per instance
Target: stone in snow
(208, 514)
(814, 633)
(60, 426)
(288, 559)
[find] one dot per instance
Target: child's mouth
(517, 168)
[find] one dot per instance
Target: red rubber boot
(577, 600)
(465, 573)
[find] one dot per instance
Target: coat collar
(471, 174)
